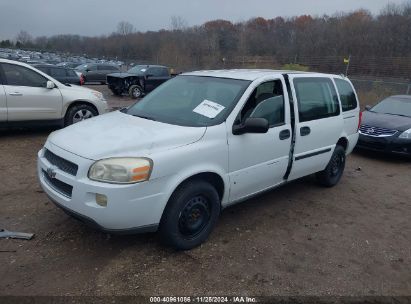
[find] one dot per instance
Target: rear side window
(156, 72)
(71, 73)
(58, 73)
(21, 76)
(163, 72)
(347, 95)
(316, 97)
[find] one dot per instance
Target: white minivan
(197, 144)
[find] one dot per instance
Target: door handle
(304, 131)
(16, 94)
(285, 134)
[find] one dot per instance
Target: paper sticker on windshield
(209, 109)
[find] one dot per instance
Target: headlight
(406, 134)
(99, 95)
(121, 170)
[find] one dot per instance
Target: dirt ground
(301, 239)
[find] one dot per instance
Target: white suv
(30, 97)
(197, 144)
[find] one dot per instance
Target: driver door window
(20, 76)
(266, 101)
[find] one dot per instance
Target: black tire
(135, 91)
(190, 215)
(74, 113)
(334, 170)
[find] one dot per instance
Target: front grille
(371, 145)
(61, 163)
(376, 131)
(58, 185)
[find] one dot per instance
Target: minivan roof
(250, 74)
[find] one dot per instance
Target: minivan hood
(387, 121)
(117, 134)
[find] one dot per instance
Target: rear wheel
(79, 113)
(190, 215)
(135, 91)
(334, 170)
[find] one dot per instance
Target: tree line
(381, 42)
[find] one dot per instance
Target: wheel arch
(343, 142)
(78, 102)
(215, 179)
(212, 177)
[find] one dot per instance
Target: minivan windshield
(394, 106)
(194, 101)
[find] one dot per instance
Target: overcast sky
(96, 17)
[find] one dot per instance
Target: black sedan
(62, 74)
(386, 127)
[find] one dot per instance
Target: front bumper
(391, 144)
(130, 208)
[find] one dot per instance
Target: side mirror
(50, 85)
(252, 125)
(87, 70)
(148, 76)
(367, 107)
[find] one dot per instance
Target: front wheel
(334, 170)
(190, 215)
(135, 91)
(79, 113)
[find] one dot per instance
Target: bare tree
(24, 38)
(125, 28)
(178, 23)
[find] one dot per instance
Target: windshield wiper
(145, 117)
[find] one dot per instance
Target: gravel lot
(301, 239)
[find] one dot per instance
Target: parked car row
(35, 57)
(87, 69)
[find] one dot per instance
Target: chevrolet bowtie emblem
(51, 172)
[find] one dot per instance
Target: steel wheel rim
(136, 92)
(194, 217)
(81, 115)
